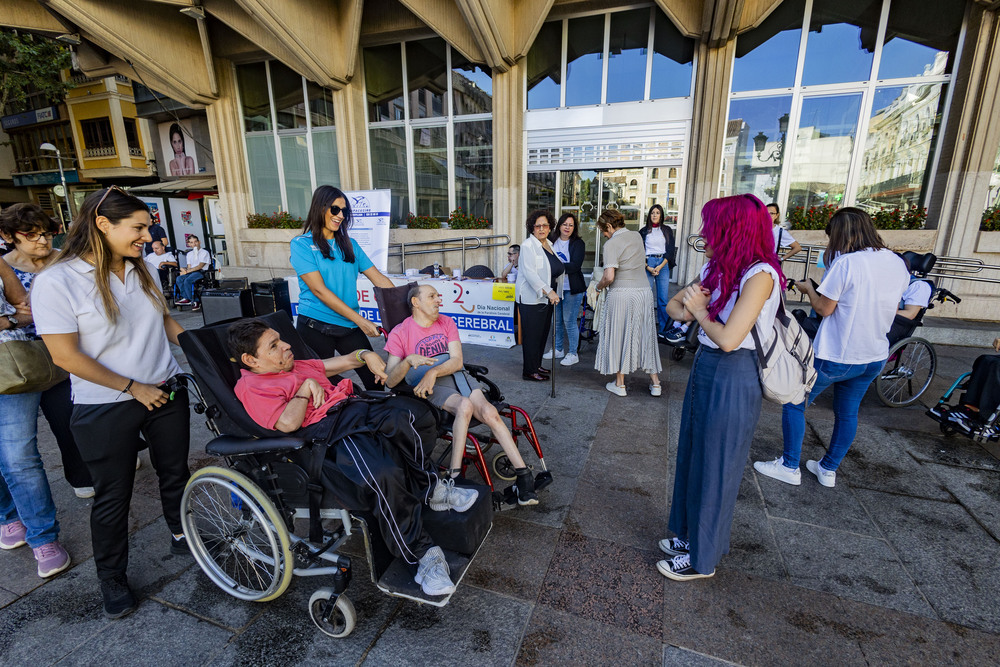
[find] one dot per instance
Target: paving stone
(977, 490)
(554, 638)
(514, 558)
(194, 593)
(953, 451)
(674, 656)
(752, 548)
(6, 597)
(847, 565)
(151, 565)
(477, 627)
(630, 595)
(183, 640)
(947, 553)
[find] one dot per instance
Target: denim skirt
(720, 413)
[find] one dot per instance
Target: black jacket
(671, 248)
(574, 267)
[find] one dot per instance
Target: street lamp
(760, 142)
(62, 177)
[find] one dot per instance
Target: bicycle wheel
(906, 377)
(236, 535)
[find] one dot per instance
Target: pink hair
(738, 230)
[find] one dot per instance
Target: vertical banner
(185, 220)
(158, 215)
(370, 228)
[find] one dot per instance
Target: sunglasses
(34, 236)
(542, 225)
(337, 210)
(105, 196)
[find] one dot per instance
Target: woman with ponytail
(739, 288)
(103, 318)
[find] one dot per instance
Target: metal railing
(461, 244)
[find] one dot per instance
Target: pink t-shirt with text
(410, 338)
(265, 395)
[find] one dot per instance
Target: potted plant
(422, 222)
(989, 230)
(276, 220)
(459, 219)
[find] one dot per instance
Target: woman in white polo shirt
(857, 300)
(103, 318)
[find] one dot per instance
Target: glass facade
(839, 102)
(290, 138)
(432, 139)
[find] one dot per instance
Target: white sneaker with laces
(447, 496)
(674, 546)
(777, 469)
(559, 354)
(570, 360)
(655, 390)
(827, 478)
(679, 568)
(615, 389)
(433, 573)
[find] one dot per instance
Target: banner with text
(370, 226)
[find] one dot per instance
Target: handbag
(26, 367)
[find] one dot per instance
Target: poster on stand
(370, 226)
(158, 214)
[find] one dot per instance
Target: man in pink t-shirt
(412, 344)
(283, 394)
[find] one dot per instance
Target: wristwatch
(13, 321)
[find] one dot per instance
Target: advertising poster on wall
(370, 211)
(178, 148)
(156, 212)
(185, 221)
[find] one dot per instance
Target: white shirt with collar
(65, 300)
(199, 256)
(155, 260)
(534, 273)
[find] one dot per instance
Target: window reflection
(384, 82)
(544, 67)
(841, 41)
(673, 58)
(474, 167)
(580, 196)
(898, 147)
(252, 80)
(629, 41)
(430, 168)
(755, 147)
(541, 187)
(993, 194)
(917, 34)
(583, 61)
(471, 86)
(320, 105)
(295, 168)
(289, 103)
(427, 81)
(766, 56)
(822, 150)
(388, 147)
(264, 178)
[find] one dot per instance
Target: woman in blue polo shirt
(328, 262)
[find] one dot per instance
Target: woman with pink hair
(739, 288)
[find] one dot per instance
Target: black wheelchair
(239, 520)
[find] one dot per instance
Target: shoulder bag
(26, 367)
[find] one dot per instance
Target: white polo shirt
(199, 256)
(155, 260)
(64, 300)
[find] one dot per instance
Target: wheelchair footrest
(398, 579)
(509, 497)
(461, 532)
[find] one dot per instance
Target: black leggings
(57, 405)
(328, 340)
(536, 319)
(108, 435)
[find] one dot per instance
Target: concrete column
(509, 155)
(708, 128)
(225, 127)
(350, 115)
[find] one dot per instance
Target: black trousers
(57, 406)
(328, 340)
(984, 384)
(107, 435)
(535, 322)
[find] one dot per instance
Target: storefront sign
(32, 117)
(44, 178)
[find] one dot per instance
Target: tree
(29, 64)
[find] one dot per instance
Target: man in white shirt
(198, 260)
(162, 261)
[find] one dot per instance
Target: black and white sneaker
(679, 568)
(675, 336)
(675, 546)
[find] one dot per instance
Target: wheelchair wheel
(343, 619)
(908, 373)
(677, 353)
(503, 468)
(236, 535)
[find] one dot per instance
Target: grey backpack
(786, 366)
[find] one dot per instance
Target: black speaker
(271, 296)
(234, 283)
(225, 304)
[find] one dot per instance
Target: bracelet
(357, 355)
(126, 389)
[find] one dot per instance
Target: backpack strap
(315, 486)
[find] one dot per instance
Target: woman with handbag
(328, 263)
(103, 318)
(739, 288)
(29, 231)
(27, 512)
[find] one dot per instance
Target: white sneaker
(447, 496)
(570, 360)
(433, 573)
(827, 478)
(84, 492)
(559, 354)
(655, 390)
(777, 469)
(615, 389)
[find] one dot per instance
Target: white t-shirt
(64, 300)
(917, 293)
(561, 249)
(867, 286)
(782, 237)
(656, 242)
(764, 320)
(199, 256)
(155, 260)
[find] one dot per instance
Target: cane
(552, 373)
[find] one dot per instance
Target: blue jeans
(186, 283)
(568, 320)
(850, 382)
(24, 488)
(661, 293)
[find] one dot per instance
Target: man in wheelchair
(281, 393)
(413, 344)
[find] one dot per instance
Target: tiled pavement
(896, 564)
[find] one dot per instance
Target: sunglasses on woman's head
(337, 210)
(106, 193)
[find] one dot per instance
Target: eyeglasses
(34, 236)
(542, 225)
(106, 193)
(337, 210)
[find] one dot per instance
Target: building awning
(195, 188)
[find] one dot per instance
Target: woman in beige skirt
(627, 323)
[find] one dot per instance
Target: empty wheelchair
(239, 519)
